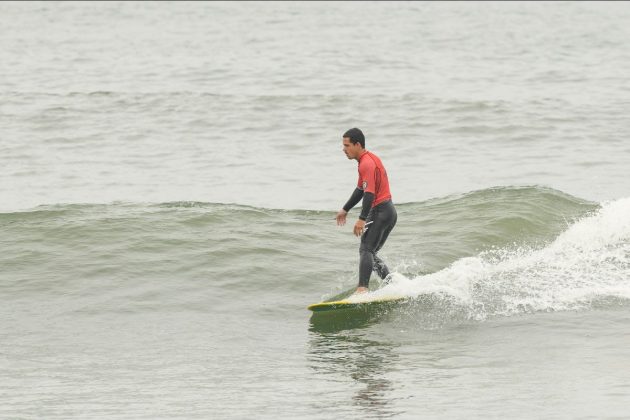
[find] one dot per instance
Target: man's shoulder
(367, 160)
(373, 159)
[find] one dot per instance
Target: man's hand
(358, 227)
(341, 217)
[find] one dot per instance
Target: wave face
(154, 296)
(494, 252)
(587, 266)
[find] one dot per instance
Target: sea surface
(170, 174)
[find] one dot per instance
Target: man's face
(352, 151)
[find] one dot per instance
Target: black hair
(356, 136)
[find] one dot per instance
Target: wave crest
(586, 266)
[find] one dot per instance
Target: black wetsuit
(379, 222)
(378, 211)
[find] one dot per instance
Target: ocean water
(170, 175)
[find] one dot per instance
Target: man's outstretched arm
(356, 196)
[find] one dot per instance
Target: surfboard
(355, 302)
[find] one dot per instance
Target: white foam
(590, 261)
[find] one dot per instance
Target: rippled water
(221, 102)
(170, 174)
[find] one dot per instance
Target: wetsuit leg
(379, 265)
(382, 220)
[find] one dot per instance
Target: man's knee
(367, 253)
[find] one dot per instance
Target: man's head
(353, 143)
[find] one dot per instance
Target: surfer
(378, 214)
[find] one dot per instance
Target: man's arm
(368, 199)
(356, 196)
(359, 226)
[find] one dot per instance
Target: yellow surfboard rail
(353, 304)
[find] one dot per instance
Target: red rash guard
(373, 178)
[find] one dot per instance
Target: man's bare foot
(361, 290)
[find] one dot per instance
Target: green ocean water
(154, 310)
(239, 248)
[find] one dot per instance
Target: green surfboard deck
(344, 304)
